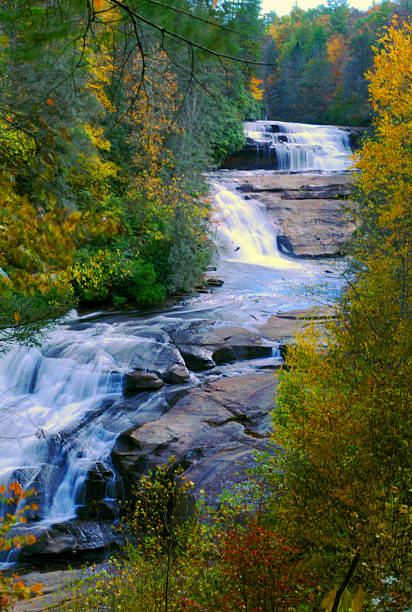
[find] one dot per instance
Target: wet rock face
(203, 344)
(144, 349)
(176, 375)
(309, 210)
(96, 506)
(70, 537)
(285, 324)
(208, 431)
(140, 380)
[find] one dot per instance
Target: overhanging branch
(187, 41)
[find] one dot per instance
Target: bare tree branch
(178, 10)
(183, 39)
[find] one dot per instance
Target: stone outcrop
(53, 585)
(309, 210)
(208, 431)
(203, 345)
(285, 324)
(177, 375)
(140, 380)
(71, 537)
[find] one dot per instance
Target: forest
(111, 114)
(321, 57)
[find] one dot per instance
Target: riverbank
(210, 424)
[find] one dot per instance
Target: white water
(250, 236)
(44, 394)
(301, 147)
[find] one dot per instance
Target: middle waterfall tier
(249, 236)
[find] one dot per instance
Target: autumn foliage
(263, 573)
(343, 414)
(13, 497)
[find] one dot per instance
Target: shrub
(112, 276)
(12, 497)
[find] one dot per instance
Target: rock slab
(309, 210)
(208, 431)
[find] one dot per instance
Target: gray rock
(140, 380)
(196, 358)
(203, 344)
(44, 478)
(53, 585)
(207, 430)
(95, 487)
(67, 538)
(103, 509)
(144, 354)
(214, 281)
(287, 324)
(232, 343)
(307, 209)
(176, 375)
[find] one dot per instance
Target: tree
(343, 416)
(97, 106)
(321, 57)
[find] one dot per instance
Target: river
(59, 403)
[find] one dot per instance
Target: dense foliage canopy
(109, 112)
(321, 56)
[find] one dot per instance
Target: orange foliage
(12, 588)
(254, 88)
(337, 52)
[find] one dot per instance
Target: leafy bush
(114, 277)
(11, 497)
(262, 573)
(176, 560)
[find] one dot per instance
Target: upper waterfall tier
(293, 147)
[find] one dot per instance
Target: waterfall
(299, 147)
(45, 398)
(248, 232)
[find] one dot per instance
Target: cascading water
(44, 395)
(250, 236)
(59, 409)
(300, 147)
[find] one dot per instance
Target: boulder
(177, 375)
(203, 344)
(95, 489)
(139, 353)
(286, 324)
(96, 481)
(140, 380)
(213, 281)
(68, 538)
(103, 509)
(196, 358)
(232, 343)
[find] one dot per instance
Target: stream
(62, 404)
